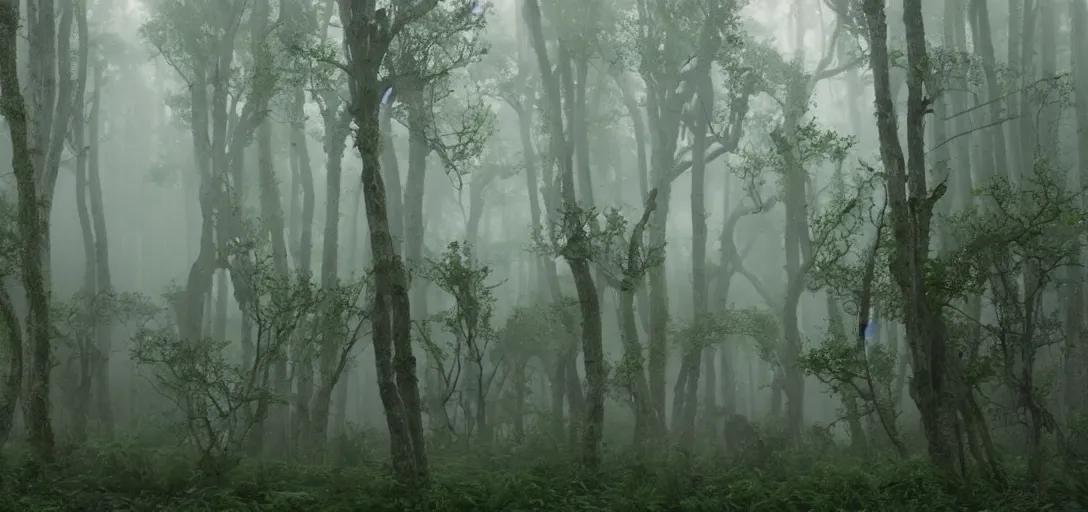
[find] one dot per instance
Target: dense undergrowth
(118, 476)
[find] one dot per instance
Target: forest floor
(116, 476)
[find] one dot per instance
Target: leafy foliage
(221, 397)
(131, 476)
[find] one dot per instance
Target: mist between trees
(679, 237)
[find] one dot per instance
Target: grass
(118, 476)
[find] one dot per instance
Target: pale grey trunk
(576, 254)
(1075, 371)
(995, 137)
(687, 392)
(80, 398)
(414, 188)
(104, 334)
(331, 337)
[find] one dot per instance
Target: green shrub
(127, 476)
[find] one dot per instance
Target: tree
(935, 386)
(575, 250)
(34, 177)
(368, 33)
(199, 39)
(633, 260)
(1076, 354)
(83, 143)
(223, 402)
(11, 328)
(458, 273)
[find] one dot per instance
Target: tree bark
(104, 279)
(367, 35)
(577, 250)
(700, 293)
(933, 386)
(42, 136)
(13, 337)
(1075, 370)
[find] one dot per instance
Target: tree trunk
(331, 335)
(700, 293)
(367, 35)
(934, 385)
(301, 153)
(576, 252)
(35, 174)
(995, 134)
(80, 395)
(649, 424)
(104, 280)
(13, 330)
(798, 257)
(1075, 374)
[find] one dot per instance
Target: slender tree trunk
(80, 396)
(104, 279)
(44, 132)
(367, 39)
(1075, 374)
(700, 292)
(576, 252)
(649, 424)
(12, 330)
(90, 287)
(331, 337)
(301, 153)
(933, 387)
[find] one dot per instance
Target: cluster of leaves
(760, 325)
(555, 240)
(848, 246)
(612, 250)
(867, 372)
(426, 67)
(80, 313)
(1038, 224)
(537, 329)
(458, 273)
(220, 398)
(77, 320)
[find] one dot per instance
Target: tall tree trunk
(81, 395)
(104, 280)
(414, 190)
(337, 121)
(995, 134)
(576, 253)
(1075, 369)
(301, 153)
(700, 294)
(934, 387)
(52, 88)
(367, 36)
(332, 336)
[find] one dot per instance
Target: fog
(442, 239)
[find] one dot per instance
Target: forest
(544, 255)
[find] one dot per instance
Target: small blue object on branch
(477, 8)
(868, 330)
(386, 95)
